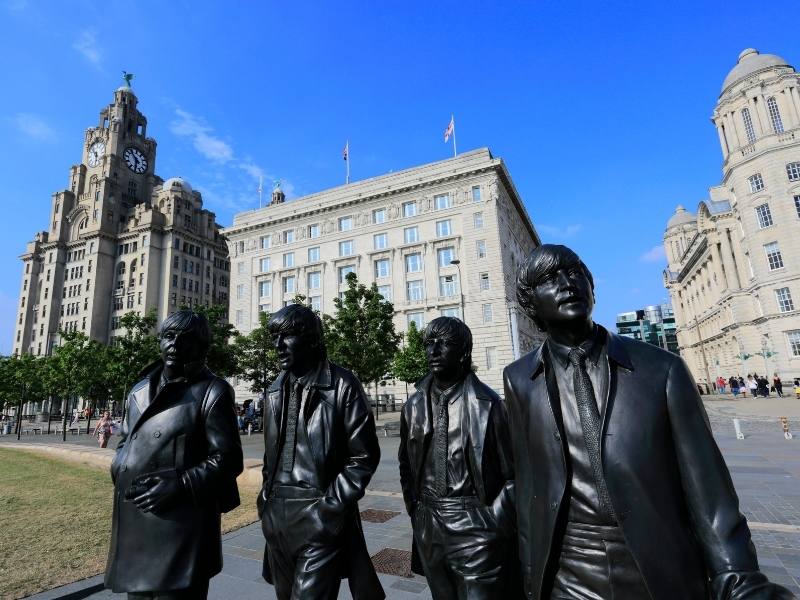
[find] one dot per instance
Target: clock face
(135, 160)
(96, 152)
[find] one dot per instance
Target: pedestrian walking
(752, 385)
(797, 388)
(777, 384)
(734, 385)
(763, 386)
(103, 429)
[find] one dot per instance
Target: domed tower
(681, 229)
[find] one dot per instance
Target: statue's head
(184, 337)
(448, 348)
(555, 288)
(297, 333)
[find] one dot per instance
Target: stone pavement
(765, 468)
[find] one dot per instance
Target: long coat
(341, 433)
(190, 425)
(669, 486)
(488, 455)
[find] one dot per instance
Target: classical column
(794, 107)
(732, 274)
(722, 141)
(721, 270)
(766, 123)
(794, 96)
(785, 108)
(731, 127)
(739, 259)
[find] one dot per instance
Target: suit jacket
(189, 426)
(488, 453)
(669, 486)
(341, 433)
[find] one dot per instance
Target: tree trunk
(64, 419)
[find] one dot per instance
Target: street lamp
(457, 263)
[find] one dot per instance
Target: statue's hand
(163, 490)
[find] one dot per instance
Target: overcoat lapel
(478, 409)
(422, 427)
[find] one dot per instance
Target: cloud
(655, 254)
(559, 232)
(86, 44)
(33, 126)
(194, 128)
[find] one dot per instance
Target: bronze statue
(320, 451)
(175, 471)
(621, 490)
(456, 474)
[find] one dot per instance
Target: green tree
(131, 352)
(70, 367)
(410, 363)
(257, 357)
(361, 336)
(221, 360)
(21, 382)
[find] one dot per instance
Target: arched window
(774, 114)
(748, 126)
(121, 269)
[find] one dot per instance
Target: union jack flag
(450, 128)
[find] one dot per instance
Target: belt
(586, 535)
(295, 492)
(455, 502)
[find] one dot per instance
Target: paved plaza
(765, 468)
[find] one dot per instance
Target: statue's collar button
(156, 434)
(134, 436)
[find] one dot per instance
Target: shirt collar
(593, 347)
(450, 395)
(319, 376)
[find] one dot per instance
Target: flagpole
(347, 179)
(453, 119)
(260, 190)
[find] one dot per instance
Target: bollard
(786, 433)
(738, 427)
(249, 429)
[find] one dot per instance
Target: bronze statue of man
(175, 471)
(621, 490)
(455, 470)
(320, 451)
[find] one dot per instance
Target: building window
(174, 281)
(239, 268)
(409, 209)
(491, 357)
(775, 115)
(794, 342)
(288, 284)
(345, 223)
(346, 248)
(316, 303)
(239, 317)
(386, 292)
(448, 285)
(288, 236)
(476, 193)
(442, 201)
(314, 280)
(748, 126)
(417, 318)
(756, 183)
(477, 220)
(415, 290)
(480, 247)
(379, 215)
(483, 279)
(444, 256)
(313, 231)
(288, 259)
(443, 228)
(264, 264)
(451, 311)
(793, 171)
(313, 254)
(797, 205)
(411, 235)
(380, 241)
(784, 297)
(413, 262)
(265, 308)
(764, 215)
(382, 268)
(486, 311)
(774, 257)
(264, 289)
(345, 271)
(266, 242)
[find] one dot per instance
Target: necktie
(440, 447)
(291, 429)
(590, 423)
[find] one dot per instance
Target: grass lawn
(55, 521)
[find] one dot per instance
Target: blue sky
(600, 110)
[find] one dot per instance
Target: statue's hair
(188, 320)
(451, 329)
(542, 262)
(302, 321)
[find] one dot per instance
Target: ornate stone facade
(119, 239)
(734, 268)
(401, 231)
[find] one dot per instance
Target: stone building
(439, 239)
(733, 269)
(119, 239)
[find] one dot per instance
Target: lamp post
(457, 263)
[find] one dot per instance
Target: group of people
(756, 384)
(596, 477)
